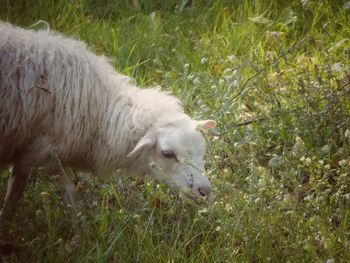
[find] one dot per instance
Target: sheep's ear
(207, 124)
(147, 141)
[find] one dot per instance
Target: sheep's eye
(168, 154)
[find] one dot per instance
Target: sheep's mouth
(187, 194)
(193, 199)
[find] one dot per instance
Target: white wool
(59, 99)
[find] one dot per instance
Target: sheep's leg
(15, 187)
(70, 194)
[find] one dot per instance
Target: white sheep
(63, 106)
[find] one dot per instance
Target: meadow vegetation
(273, 74)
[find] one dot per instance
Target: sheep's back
(52, 94)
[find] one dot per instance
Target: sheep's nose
(204, 191)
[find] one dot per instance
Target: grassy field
(273, 74)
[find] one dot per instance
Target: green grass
(273, 74)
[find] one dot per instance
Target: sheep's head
(175, 151)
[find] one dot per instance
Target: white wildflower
(229, 78)
(196, 81)
(190, 77)
(337, 67)
(307, 198)
(44, 193)
(346, 196)
(204, 61)
(343, 162)
(228, 207)
(305, 3)
(203, 211)
(308, 160)
(232, 58)
(227, 71)
(257, 200)
(233, 84)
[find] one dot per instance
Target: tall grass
(274, 74)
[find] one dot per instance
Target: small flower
(337, 67)
(298, 140)
(203, 211)
(44, 193)
(232, 58)
(343, 162)
(305, 2)
(257, 200)
(308, 160)
(307, 198)
(190, 77)
(227, 71)
(204, 61)
(228, 207)
(196, 81)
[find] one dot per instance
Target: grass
(273, 74)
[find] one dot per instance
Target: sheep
(63, 106)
